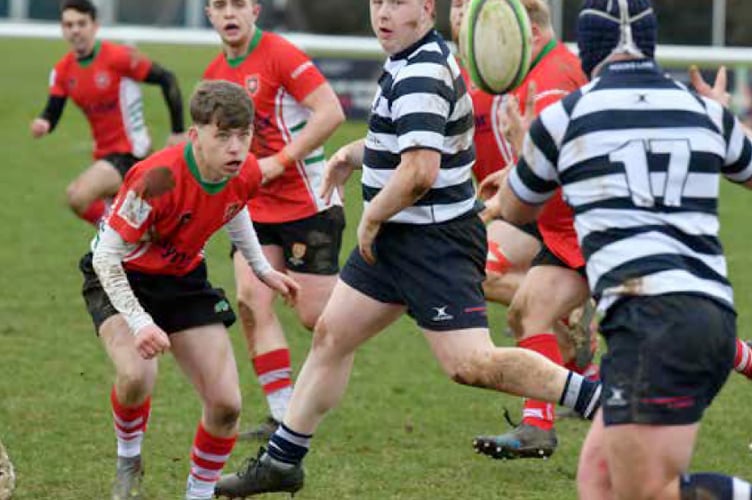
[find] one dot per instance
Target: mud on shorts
(174, 302)
(436, 270)
(309, 245)
(668, 356)
(122, 162)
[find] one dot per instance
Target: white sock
(278, 401)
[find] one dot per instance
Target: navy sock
(582, 395)
(706, 485)
(288, 446)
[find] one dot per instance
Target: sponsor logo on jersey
(102, 79)
(134, 210)
(253, 84)
(298, 252)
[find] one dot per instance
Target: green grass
(402, 431)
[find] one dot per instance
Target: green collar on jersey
(87, 60)
(551, 45)
(237, 61)
(209, 187)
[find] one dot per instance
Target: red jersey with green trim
(492, 150)
(556, 74)
(278, 76)
(166, 209)
(104, 86)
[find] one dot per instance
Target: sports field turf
(402, 431)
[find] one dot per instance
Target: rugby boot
(262, 432)
(260, 475)
(130, 473)
(524, 441)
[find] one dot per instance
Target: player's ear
(193, 134)
(256, 8)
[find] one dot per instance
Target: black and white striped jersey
(638, 157)
(422, 103)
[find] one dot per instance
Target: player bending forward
(146, 287)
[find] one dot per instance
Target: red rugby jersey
(165, 208)
(278, 76)
(556, 73)
(104, 87)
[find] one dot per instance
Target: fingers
(367, 253)
(698, 82)
(152, 343)
(721, 80)
(326, 189)
(530, 102)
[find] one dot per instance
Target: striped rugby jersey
(422, 103)
(638, 157)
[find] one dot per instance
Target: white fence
(672, 56)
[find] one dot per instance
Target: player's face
(79, 30)
(399, 23)
(234, 20)
(456, 12)
(220, 152)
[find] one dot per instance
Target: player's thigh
(101, 179)
(205, 355)
(350, 318)
(459, 352)
(593, 482)
(251, 291)
(643, 459)
(120, 345)
(547, 293)
(315, 290)
(518, 246)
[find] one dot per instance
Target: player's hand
(271, 168)
(490, 185)
(367, 231)
(338, 170)
(287, 287)
(717, 92)
(175, 139)
(39, 128)
(514, 125)
(491, 210)
(151, 341)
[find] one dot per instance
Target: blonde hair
(539, 12)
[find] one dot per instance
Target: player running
(146, 287)
(100, 77)
(300, 232)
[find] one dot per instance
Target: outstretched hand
(287, 287)
(718, 92)
(514, 125)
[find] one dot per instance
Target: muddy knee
(77, 199)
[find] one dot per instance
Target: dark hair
(223, 103)
(82, 6)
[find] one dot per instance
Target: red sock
(273, 370)
(208, 457)
(743, 359)
(130, 425)
(496, 261)
(94, 212)
(539, 413)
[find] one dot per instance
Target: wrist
(139, 322)
(285, 159)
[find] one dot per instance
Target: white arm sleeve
(107, 263)
(244, 238)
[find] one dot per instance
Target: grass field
(403, 430)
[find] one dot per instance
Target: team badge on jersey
(102, 79)
(298, 252)
(231, 210)
(252, 84)
(134, 210)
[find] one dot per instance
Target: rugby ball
(496, 44)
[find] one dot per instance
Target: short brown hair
(223, 103)
(539, 12)
(81, 6)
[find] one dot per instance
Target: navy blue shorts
(435, 270)
(668, 356)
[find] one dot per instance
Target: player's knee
(77, 198)
(225, 414)
(132, 387)
(308, 318)
(515, 316)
